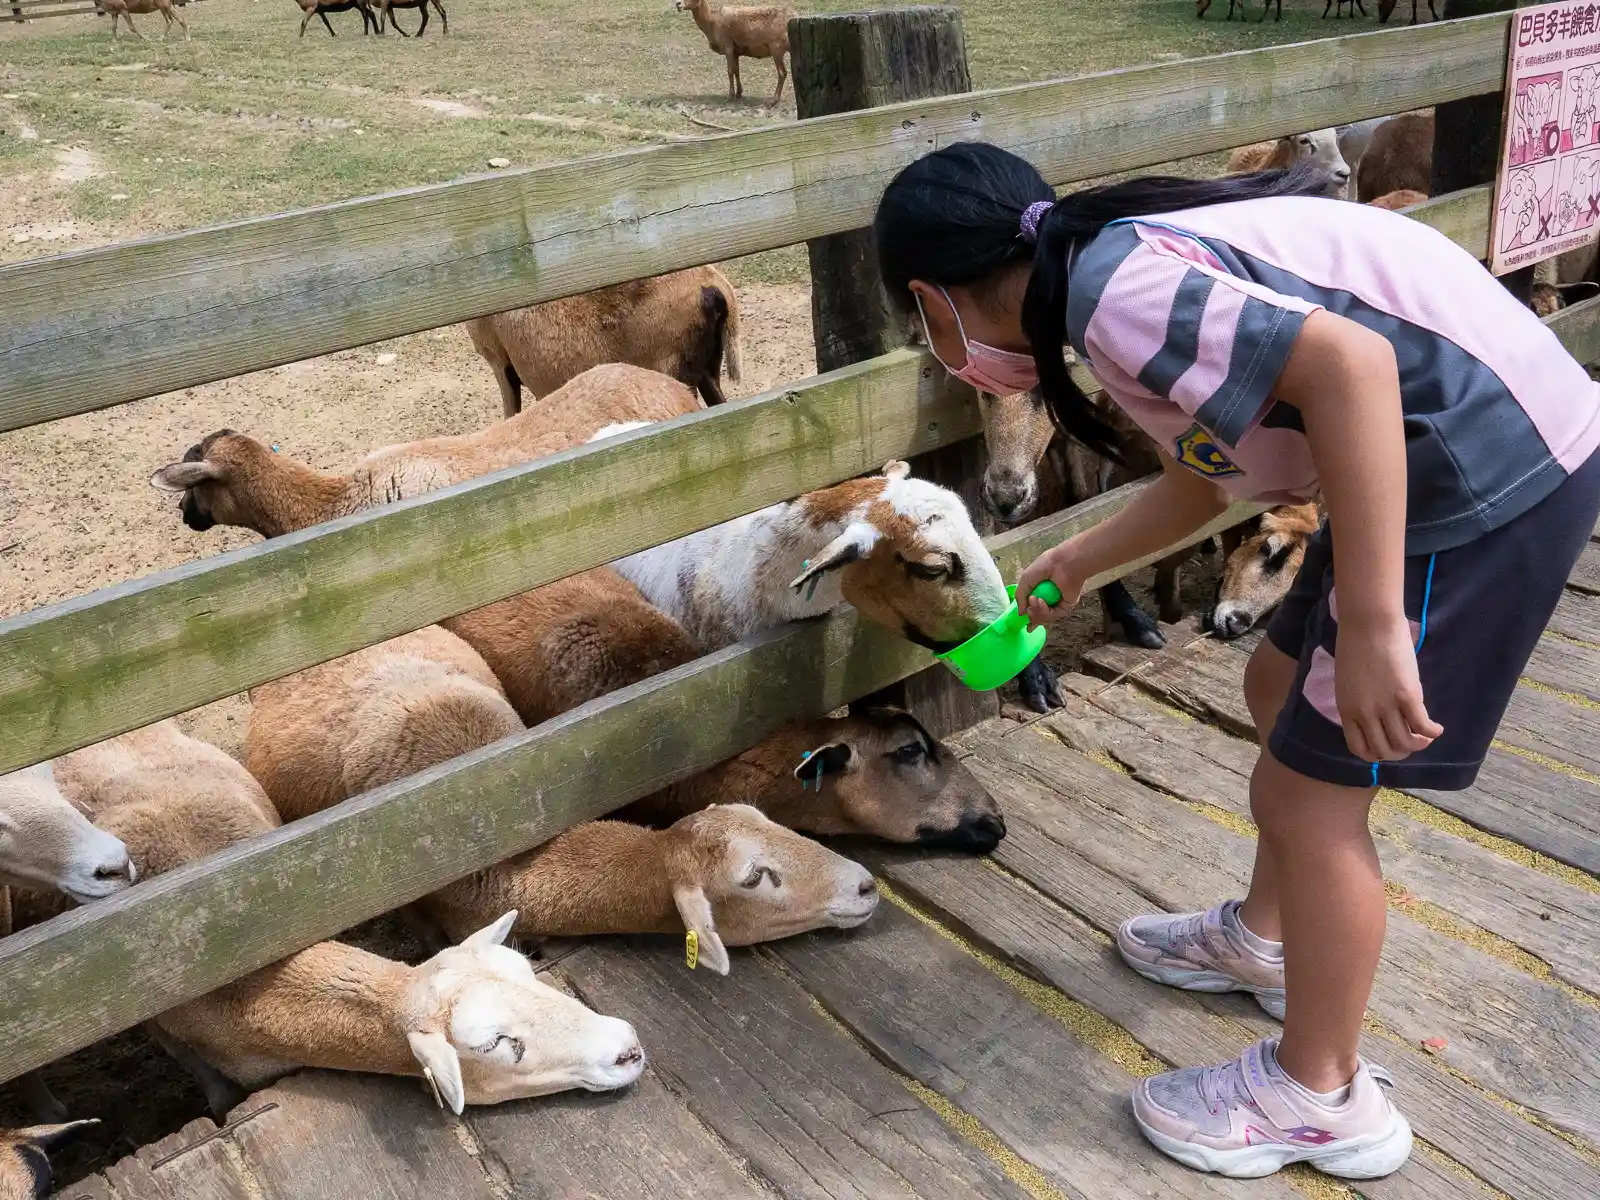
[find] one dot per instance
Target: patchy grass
(249, 118)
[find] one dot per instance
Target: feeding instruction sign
(1547, 195)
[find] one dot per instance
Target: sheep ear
(441, 1066)
(854, 543)
(46, 1136)
(493, 935)
(897, 469)
(695, 910)
(827, 759)
(181, 476)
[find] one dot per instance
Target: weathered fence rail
(89, 330)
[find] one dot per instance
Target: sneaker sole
(1370, 1157)
(1192, 979)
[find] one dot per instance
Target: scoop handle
(1048, 592)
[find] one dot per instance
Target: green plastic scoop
(996, 654)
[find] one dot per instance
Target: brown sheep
(1263, 557)
(1399, 158)
(1395, 201)
(127, 8)
(386, 9)
(744, 32)
(321, 8)
(24, 1163)
(685, 325)
(232, 479)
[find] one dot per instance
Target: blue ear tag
(804, 759)
(275, 447)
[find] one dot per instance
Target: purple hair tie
(1031, 216)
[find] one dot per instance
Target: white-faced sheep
(685, 325)
(321, 8)
(47, 845)
(1262, 557)
(125, 10)
(473, 1017)
(25, 1160)
(1320, 146)
(902, 550)
(232, 479)
(744, 32)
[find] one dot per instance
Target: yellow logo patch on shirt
(1197, 451)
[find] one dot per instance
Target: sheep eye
(910, 754)
(518, 1046)
(753, 880)
(927, 570)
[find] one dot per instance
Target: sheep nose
(869, 885)
(631, 1055)
(1234, 623)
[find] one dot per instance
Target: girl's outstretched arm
(1343, 379)
(1175, 505)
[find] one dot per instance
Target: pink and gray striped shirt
(1187, 320)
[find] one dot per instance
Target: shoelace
(1221, 1087)
(1191, 933)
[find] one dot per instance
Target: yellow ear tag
(433, 1084)
(691, 947)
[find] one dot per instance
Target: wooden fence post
(1467, 136)
(844, 62)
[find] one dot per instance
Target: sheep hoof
(1146, 634)
(1040, 687)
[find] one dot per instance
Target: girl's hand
(1057, 566)
(1379, 693)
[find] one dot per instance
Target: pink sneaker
(1247, 1118)
(1205, 952)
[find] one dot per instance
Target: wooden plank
(336, 1133)
(1585, 575)
(1566, 667)
(1452, 1114)
(1462, 216)
(1553, 920)
(640, 1144)
(89, 668)
(1555, 727)
(1577, 616)
(93, 971)
(1027, 931)
(937, 1015)
(1522, 1038)
(87, 330)
(815, 1116)
(192, 1164)
(1554, 813)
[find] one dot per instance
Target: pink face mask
(999, 372)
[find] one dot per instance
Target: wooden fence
(88, 330)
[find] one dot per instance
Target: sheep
(902, 550)
(1354, 139)
(386, 9)
(685, 325)
(1018, 433)
(321, 8)
(48, 845)
(25, 1161)
(1320, 146)
(1399, 157)
(875, 773)
(1395, 201)
(1262, 558)
(473, 1018)
(1386, 8)
(231, 479)
(1338, 9)
(744, 32)
(127, 8)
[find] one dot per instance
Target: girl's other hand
(1379, 693)
(1056, 566)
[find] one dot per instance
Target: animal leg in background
(783, 73)
(735, 84)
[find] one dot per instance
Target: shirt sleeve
(1210, 342)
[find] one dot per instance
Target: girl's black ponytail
(954, 217)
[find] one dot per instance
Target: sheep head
(1321, 147)
(909, 558)
(881, 774)
(1257, 575)
(24, 1161)
(485, 1029)
(1016, 432)
(739, 878)
(47, 844)
(230, 478)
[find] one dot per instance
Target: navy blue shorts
(1476, 612)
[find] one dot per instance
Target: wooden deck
(979, 1037)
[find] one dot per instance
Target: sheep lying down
(474, 1018)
